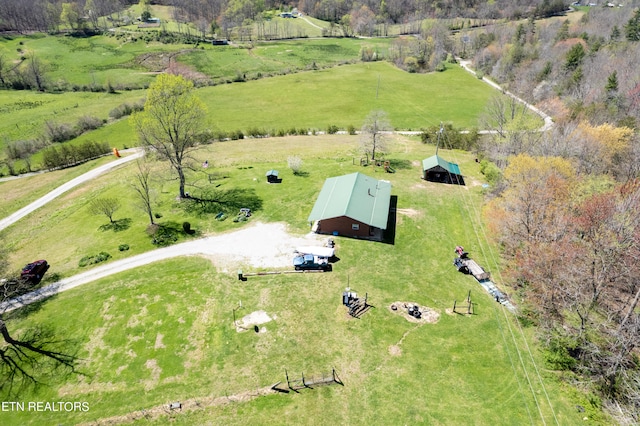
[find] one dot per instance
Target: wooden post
(454, 305)
(469, 296)
(287, 376)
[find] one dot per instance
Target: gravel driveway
(259, 245)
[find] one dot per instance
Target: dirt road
(16, 216)
(260, 245)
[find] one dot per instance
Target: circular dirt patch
(427, 315)
(395, 350)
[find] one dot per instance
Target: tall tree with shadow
(172, 122)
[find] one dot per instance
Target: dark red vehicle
(34, 271)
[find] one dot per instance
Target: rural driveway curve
(548, 121)
(16, 216)
(260, 245)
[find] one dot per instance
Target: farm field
(303, 100)
(131, 59)
(165, 332)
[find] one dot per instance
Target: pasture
(165, 332)
(313, 100)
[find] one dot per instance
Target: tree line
(52, 15)
(564, 202)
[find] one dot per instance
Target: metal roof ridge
(353, 187)
(333, 187)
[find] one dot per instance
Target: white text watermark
(41, 406)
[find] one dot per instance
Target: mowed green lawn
(164, 332)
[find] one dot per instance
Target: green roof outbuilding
(356, 196)
(437, 169)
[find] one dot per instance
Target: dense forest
(564, 203)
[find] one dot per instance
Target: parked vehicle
(311, 262)
(33, 272)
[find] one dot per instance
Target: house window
(355, 227)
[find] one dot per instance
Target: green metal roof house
(353, 205)
(437, 169)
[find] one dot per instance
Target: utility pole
(438, 140)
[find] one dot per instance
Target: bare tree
(374, 132)
(4, 64)
(105, 206)
(21, 150)
(500, 110)
(142, 186)
(36, 73)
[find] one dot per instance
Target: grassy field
(164, 333)
(127, 60)
(25, 113)
(345, 95)
(262, 59)
(88, 61)
(341, 96)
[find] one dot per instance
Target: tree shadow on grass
(37, 355)
(26, 310)
(400, 164)
(301, 173)
(117, 225)
(229, 201)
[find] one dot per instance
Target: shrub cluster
(125, 109)
(332, 129)
(60, 156)
(222, 135)
(96, 258)
(451, 138)
(255, 132)
(162, 36)
(62, 132)
(162, 235)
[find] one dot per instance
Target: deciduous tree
(172, 122)
(142, 186)
(374, 133)
(105, 206)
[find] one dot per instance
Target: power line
(507, 319)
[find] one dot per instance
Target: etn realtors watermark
(42, 406)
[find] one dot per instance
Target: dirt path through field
(182, 406)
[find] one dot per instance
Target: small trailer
(469, 266)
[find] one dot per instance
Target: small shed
(437, 169)
(272, 176)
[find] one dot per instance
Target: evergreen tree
(632, 28)
(615, 33)
(574, 57)
(612, 83)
